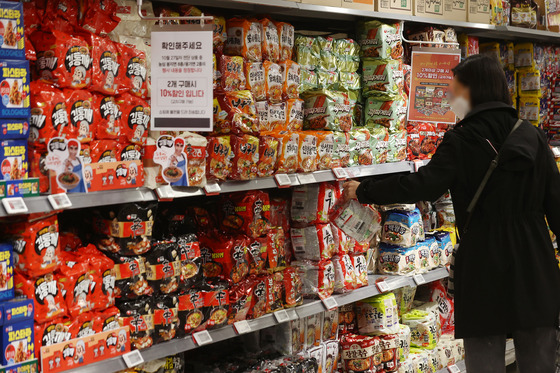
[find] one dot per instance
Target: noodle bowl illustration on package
(65, 161)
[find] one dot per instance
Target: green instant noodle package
(360, 148)
(307, 52)
(327, 58)
(327, 110)
(349, 81)
(382, 78)
(341, 153)
(379, 144)
(347, 53)
(423, 328)
(397, 147)
(327, 79)
(378, 315)
(379, 40)
(308, 80)
(390, 114)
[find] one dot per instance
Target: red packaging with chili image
(105, 65)
(36, 248)
(216, 306)
(240, 301)
(190, 310)
(166, 318)
(100, 17)
(191, 260)
(65, 9)
(280, 213)
(292, 288)
(258, 255)
(103, 273)
(46, 294)
(163, 267)
(275, 289)
(245, 151)
(107, 114)
(49, 117)
(218, 166)
(138, 315)
(79, 105)
(422, 140)
(51, 332)
(62, 59)
(232, 72)
(135, 118)
(130, 278)
(241, 112)
(389, 346)
(31, 18)
(108, 319)
(259, 305)
(133, 73)
(76, 284)
(229, 255)
(359, 353)
(275, 244)
(248, 212)
(83, 325)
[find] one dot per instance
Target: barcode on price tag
(340, 173)
(242, 327)
(15, 205)
(202, 338)
(133, 358)
(419, 279)
(330, 303)
(382, 286)
(212, 188)
(453, 369)
(281, 316)
(59, 201)
(283, 180)
(306, 178)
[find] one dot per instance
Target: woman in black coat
(507, 280)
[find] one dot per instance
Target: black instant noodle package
(191, 260)
(130, 277)
(216, 305)
(125, 229)
(166, 318)
(163, 267)
(191, 315)
(138, 314)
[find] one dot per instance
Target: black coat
(507, 277)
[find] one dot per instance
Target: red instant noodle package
(83, 325)
(36, 248)
(229, 257)
(245, 150)
(100, 265)
(313, 203)
(135, 118)
(344, 274)
(233, 73)
(244, 39)
(422, 140)
(318, 278)
(51, 332)
(103, 151)
(49, 117)
(129, 152)
(218, 166)
(100, 17)
(79, 104)
(133, 73)
(191, 315)
(345, 243)
(216, 306)
(62, 59)
(163, 267)
(191, 260)
(46, 294)
(316, 242)
(31, 18)
(166, 318)
(360, 267)
(37, 168)
(361, 353)
(275, 245)
(105, 65)
(108, 319)
(260, 298)
(258, 255)
(241, 113)
(280, 213)
(446, 306)
(292, 287)
(275, 284)
(77, 283)
(247, 212)
(389, 346)
(138, 315)
(240, 301)
(268, 155)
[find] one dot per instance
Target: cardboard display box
(428, 8)
(455, 10)
(478, 11)
(335, 3)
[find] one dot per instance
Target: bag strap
(484, 181)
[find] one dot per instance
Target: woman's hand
(350, 188)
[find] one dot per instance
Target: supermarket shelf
(302, 10)
(309, 307)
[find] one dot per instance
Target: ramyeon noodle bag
(325, 149)
(288, 152)
(277, 116)
(262, 108)
(255, 77)
(341, 151)
(312, 203)
(274, 81)
(394, 260)
(270, 40)
(244, 39)
(286, 36)
(218, 165)
(344, 274)
(313, 243)
(307, 152)
(360, 222)
(360, 268)
(378, 315)
(317, 277)
(291, 78)
(294, 115)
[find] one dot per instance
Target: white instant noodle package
(378, 315)
(359, 222)
(131, 24)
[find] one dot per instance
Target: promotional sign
(182, 78)
(430, 85)
(86, 350)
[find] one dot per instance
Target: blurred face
(461, 99)
(179, 148)
(460, 90)
(72, 151)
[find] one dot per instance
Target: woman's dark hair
(485, 78)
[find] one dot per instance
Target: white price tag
(15, 205)
(59, 201)
(202, 338)
(292, 314)
(382, 286)
(281, 316)
(283, 180)
(242, 327)
(453, 369)
(340, 173)
(419, 279)
(330, 303)
(353, 172)
(306, 178)
(556, 152)
(165, 192)
(133, 358)
(212, 188)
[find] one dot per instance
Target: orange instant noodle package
(325, 149)
(277, 116)
(268, 156)
(274, 81)
(244, 39)
(108, 116)
(291, 76)
(46, 294)
(286, 36)
(294, 114)
(270, 40)
(307, 152)
(232, 73)
(254, 72)
(245, 151)
(288, 152)
(218, 166)
(135, 118)
(133, 73)
(263, 108)
(241, 113)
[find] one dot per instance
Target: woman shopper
(507, 280)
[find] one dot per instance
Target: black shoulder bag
(470, 209)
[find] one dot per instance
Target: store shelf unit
(310, 307)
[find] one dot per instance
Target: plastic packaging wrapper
(422, 140)
(423, 327)
(397, 147)
(255, 77)
(307, 152)
(379, 40)
(232, 74)
(318, 278)
(360, 266)
(359, 222)
(270, 40)
(287, 37)
(379, 142)
(46, 293)
(131, 24)
(244, 39)
(291, 79)
(394, 260)
(382, 78)
(245, 151)
(138, 314)
(307, 52)
(405, 298)
(341, 151)
(446, 306)
(402, 228)
(344, 274)
(313, 330)
(434, 257)
(347, 319)
(361, 353)
(130, 278)
(163, 267)
(390, 114)
(316, 242)
(330, 325)
(378, 315)
(294, 115)
(288, 155)
(445, 246)
(389, 345)
(274, 81)
(327, 110)
(360, 148)
(246, 212)
(218, 166)
(325, 149)
(268, 156)
(313, 203)
(404, 342)
(277, 115)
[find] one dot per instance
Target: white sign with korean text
(182, 78)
